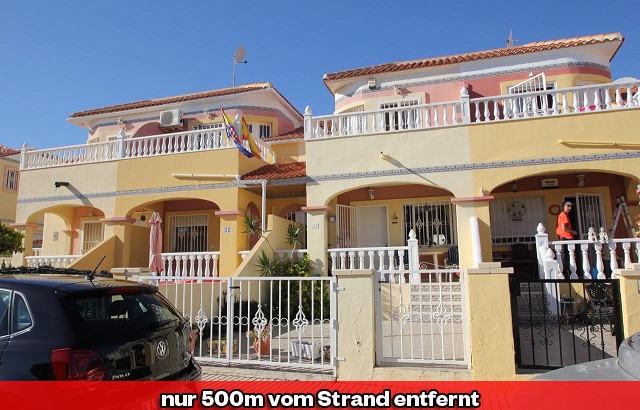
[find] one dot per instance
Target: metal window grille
(346, 226)
(188, 233)
(433, 222)
(590, 213)
(515, 220)
(11, 180)
(93, 234)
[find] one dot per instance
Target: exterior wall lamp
(58, 184)
(580, 178)
(394, 218)
(370, 191)
(514, 186)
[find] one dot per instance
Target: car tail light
(72, 364)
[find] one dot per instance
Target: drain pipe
(476, 245)
(262, 182)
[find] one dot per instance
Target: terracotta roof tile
(6, 151)
(296, 134)
(479, 55)
(279, 171)
(179, 98)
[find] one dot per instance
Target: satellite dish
(239, 57)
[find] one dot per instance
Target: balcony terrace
(127, 148)
(549, 103)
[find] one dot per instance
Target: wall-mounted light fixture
(90, 212)
(370, 191)
(58, 184)
(514, 186)
(580, 178)
(207, 113)
(394, 218)
(332, 218)
(143, 218)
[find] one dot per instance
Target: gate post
(630, 298)
(356, 338)
(491, 330)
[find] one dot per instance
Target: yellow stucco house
(503, 135)
(458, 159)
(9, 164)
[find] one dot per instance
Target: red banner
(329, 395)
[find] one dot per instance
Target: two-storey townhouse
(502, 137)
(168, 155)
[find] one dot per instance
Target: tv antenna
(510, 41)
(238, 58)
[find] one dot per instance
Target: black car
(55, 327)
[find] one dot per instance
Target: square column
(232, 240)
(468, 242)
(317, 237)
(27, 229)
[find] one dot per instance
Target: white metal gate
(277, 321)
(421, 317)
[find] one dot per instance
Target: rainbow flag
(246, 136)
(231, 133)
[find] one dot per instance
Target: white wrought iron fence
(277, 321)
(421, 317)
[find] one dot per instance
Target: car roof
(68, 283)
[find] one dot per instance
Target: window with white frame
(515, 220)
(213, 126)
(433, 222)
(11, 179)
(397, 116)
(261, 131)
(92, 235)
(188, 233)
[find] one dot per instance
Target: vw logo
(161, 348)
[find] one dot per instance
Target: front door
(372, 226)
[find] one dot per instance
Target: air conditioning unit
(171, 119)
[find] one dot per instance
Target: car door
(5, 298)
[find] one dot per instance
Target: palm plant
(294, 236)
(252, 226)
(266, 265)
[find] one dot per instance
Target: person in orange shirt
(565, 233)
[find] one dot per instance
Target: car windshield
(114, 313)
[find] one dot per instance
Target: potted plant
(261, 340)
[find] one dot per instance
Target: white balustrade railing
(386, 120)
(123, 148)
(382, 258)
(191, 264)
(293, 317)
(37, 251)
(575, 100)
(55, 261)
(243, 254)
(603, 248)
(296, 254)
(70, 155)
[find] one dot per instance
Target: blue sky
(58, 57)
